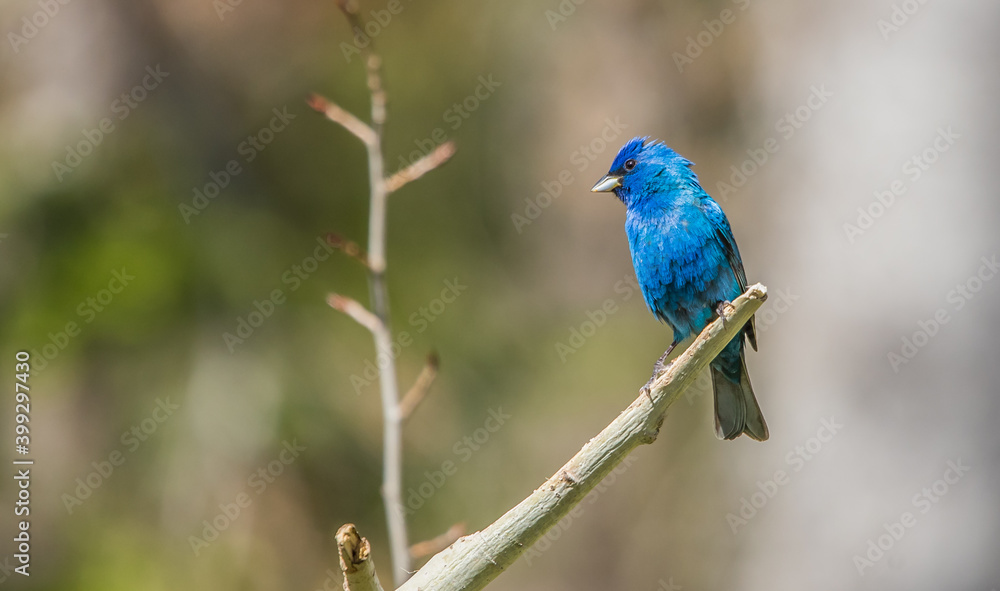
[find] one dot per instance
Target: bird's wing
(724, 236)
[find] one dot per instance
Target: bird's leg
(658, 369)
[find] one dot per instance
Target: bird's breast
(679, 266)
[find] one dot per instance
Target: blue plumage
(687, 263)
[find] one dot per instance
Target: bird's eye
(629, 164)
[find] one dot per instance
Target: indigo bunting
(687, 265)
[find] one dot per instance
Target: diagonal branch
(335, 113)
(439, 543)
(429, 162)
(348, 247)
(356, 311)
(475, 560)
(355, 560)
(415, 395)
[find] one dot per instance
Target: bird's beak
(608, 183)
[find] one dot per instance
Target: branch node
(567, 476)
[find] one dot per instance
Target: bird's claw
(647, 389)
(659, 368)
(723, 309)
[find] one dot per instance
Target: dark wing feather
(724, 235)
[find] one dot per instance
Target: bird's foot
(658, 370)
(647, 389)
(723, 309)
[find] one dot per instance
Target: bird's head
(647, 168)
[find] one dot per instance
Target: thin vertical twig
(377, 320)
(392, 443)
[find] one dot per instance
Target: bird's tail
(736, 408)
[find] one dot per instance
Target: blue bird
(688, 265)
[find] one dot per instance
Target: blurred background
(163, 178)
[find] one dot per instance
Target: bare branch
(371, 135)
(415, 395)
(475, 560)
(345, 119)
(392, 440)
(355, 560)
(348, 247)
(429, 162)
(435, 545)
(374, 64)
(356, 311)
